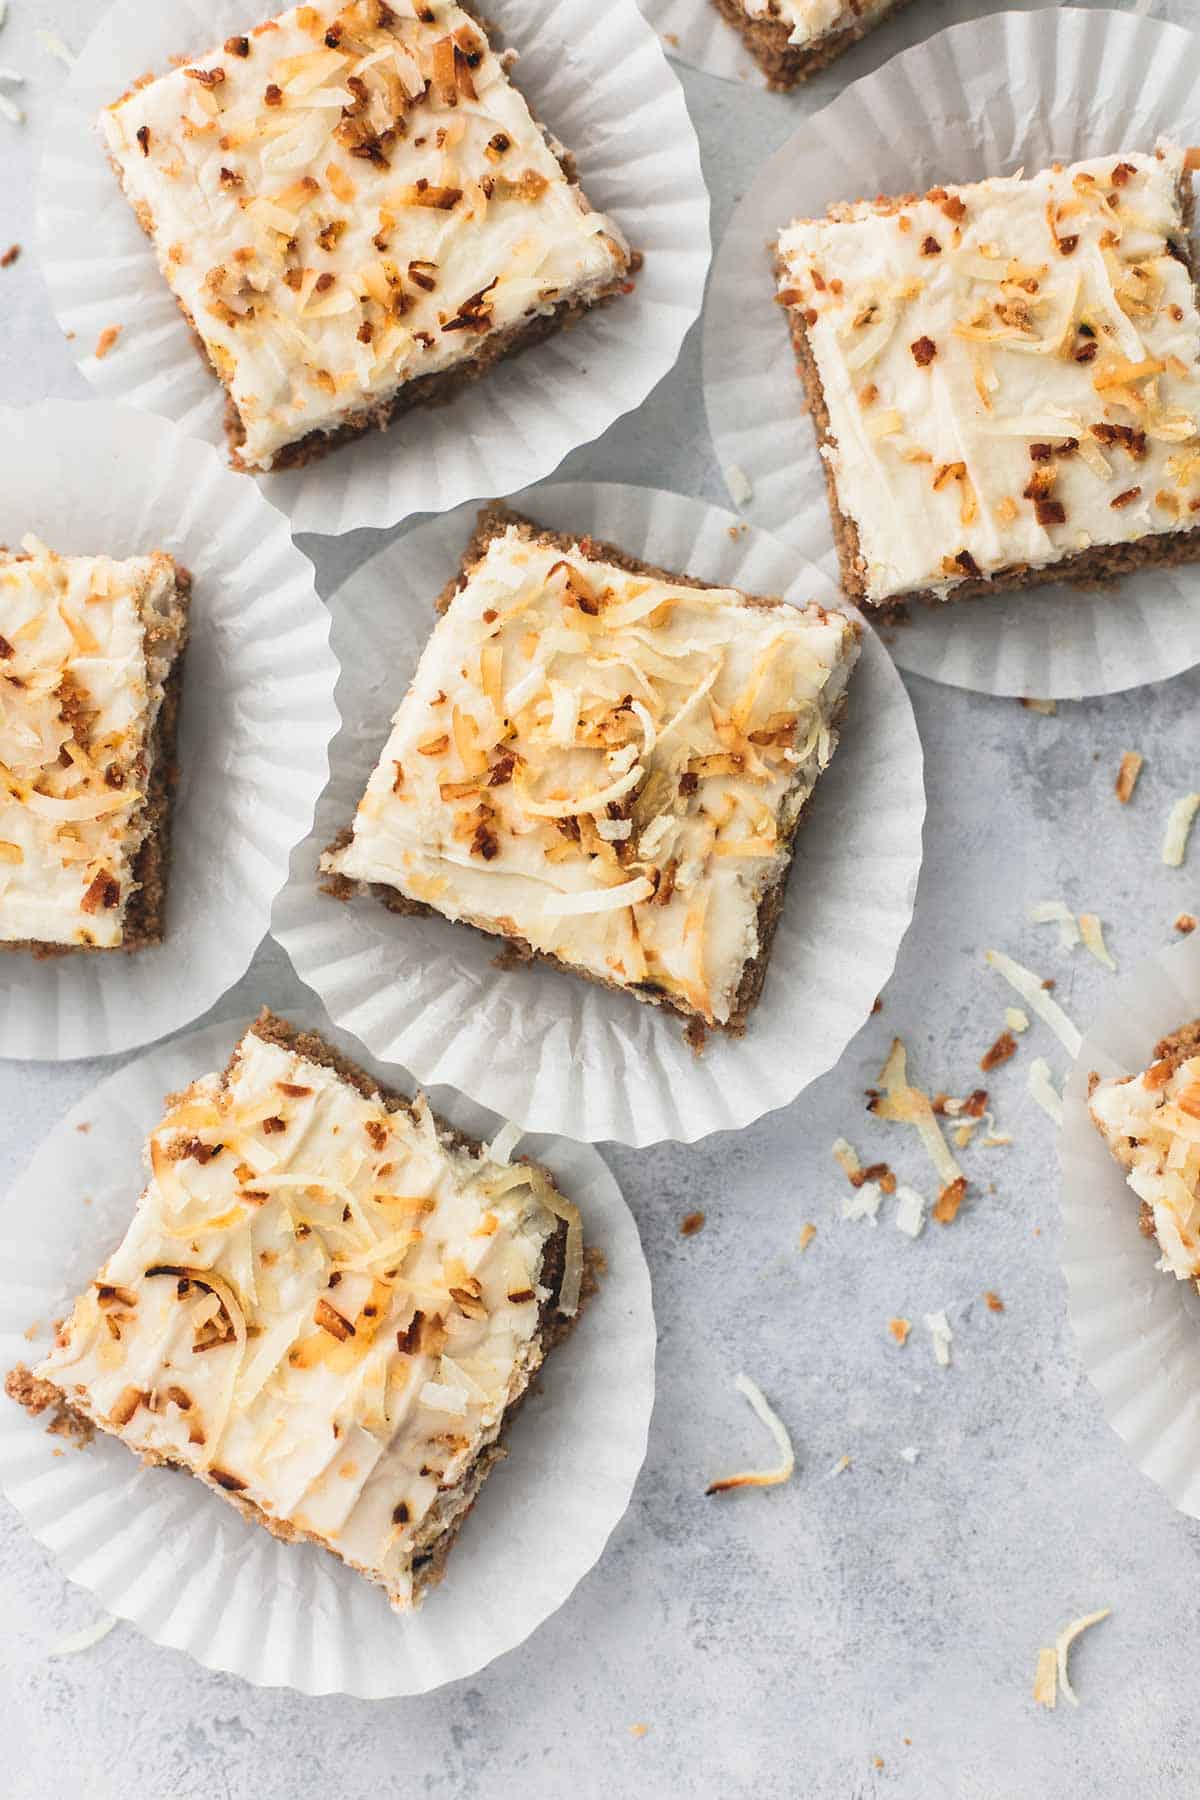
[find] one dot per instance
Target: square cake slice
(791, 39)
(1151, 1123)
(606, 764)
(1004, 377)
(91, 663)
(356, 211)
(326, 1307)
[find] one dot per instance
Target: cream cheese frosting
(322, 1307)
(810, 20)
(85, 645)
(348, 199)
(606, 765)
(1011, 368)
(1151, 1123)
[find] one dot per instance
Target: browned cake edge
(1173, 1049)
(1101, 562)
(492, 522)
(146, 912)
(36, 1394)
(437, 389)
(785, 64)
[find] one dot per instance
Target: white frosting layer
(606, 765)
(341, 217)
(810, 20)
(85, 644)
(1152, 1125)
(1011, 369)
(294, 1234)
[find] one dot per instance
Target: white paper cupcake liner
(986, 98)
(157, 1548)
(1138, 1329)
(546, 1048)
(256, 716)
(594, 74)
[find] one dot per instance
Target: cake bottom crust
(36, 1394)
(492, 522)
(146, 911)
(785, 64)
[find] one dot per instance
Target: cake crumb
(807, 1234)
(10, 256)
(691, 1224)
(945, 1207)
(994, 1302)
(900, 1329)
(84, 1125)
(1045, 707)
(106, 340)
(1004, 1047)
(1186, 922)
(638, 1731)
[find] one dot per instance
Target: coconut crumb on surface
(902, 1103)
(939, 1330)
(863, 1203)
(1179, 828)
(899, 1330)
(1015, 1019)
(1045, 1679)
(1056, 912)
(1092, 933)
(909, 1454)
(106, 340)
(10, 256)
(807, 1234)
(1186, 922)
(1046, 707)
(1004, 1047)
(1127, 776)
(910, 1211)
(1043, 1090)
(691, 1223)
(786, 1465)
(638, 1731)
(993, 1301)
(1036, 994)
(841, 1465)
(945, 1207)
(1052, 1675)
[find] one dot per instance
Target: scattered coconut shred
(1179, 826)
(939, 1330)
(1127, 776)
(83, 1640)
(1052, 1674)
(1032, 990)
(775, 1425)
(907, 1105)
(1085, 929)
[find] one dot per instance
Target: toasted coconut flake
(1186, 923)
(846, 1157)
(572, 1277)
(1045, 1680)
(1056, 912)
(504, 1143)
(1092, 933)
(1015, 1019)
(909, 1106)
(945, 1207)
(1179, 825)
(787, 1456)
(899, 1330)
(939, 1330)
(82, 1640)
(910, 1211)
(1043, 1090)
(1062, 1648)
(807, 1234)
(599, 900)
(1046, 707)
(909, 1454)
(1030, 988)
(840, 1466)
(1127, 776)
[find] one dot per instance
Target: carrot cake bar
(1151, 1123)
(791, 39)
(326, 1307)
(91, 656)
(606, 764)
(356, 212)
(1004, 377)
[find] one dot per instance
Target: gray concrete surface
(772, 1643)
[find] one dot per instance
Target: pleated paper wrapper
(1137, 1328)
(986, 98)
(595, 75)
(549, 1049)
(256, 715)
(159, 1549)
